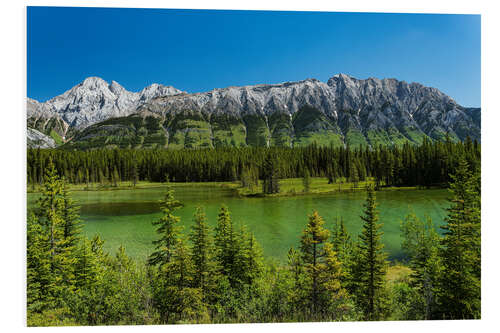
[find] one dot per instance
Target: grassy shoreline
(288, 187)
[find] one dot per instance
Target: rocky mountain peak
(116, 88)
(94, 82)
(94, 99)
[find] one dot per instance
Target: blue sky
(198, 50)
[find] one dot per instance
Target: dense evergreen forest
(219, 276)
(408, 165)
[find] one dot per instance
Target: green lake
(124, 217)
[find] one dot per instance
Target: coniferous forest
(429, 164)
(204, 274)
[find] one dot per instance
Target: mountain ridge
(344, 110)
(95, 100)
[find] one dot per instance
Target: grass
(127, 185)
(415, 135)
(355, 138)
(397, 272)
(235, 136)
(288, 187)
(378, 137)
(57, 138)
(197, 133)
(396, 137)
(321, 138)
(318, 185)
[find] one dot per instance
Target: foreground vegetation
(219, 276)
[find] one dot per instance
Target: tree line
(219, 276)
(427, 164)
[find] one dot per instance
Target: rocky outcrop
(36, 139)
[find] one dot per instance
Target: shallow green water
(124, 217)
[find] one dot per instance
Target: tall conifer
(460, 284)
(371, 262)
(202, 250)
(168, 230)
(321, 284)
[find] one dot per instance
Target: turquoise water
(124, 217)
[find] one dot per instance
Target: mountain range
(342, 111)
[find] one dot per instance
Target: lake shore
(288, 187)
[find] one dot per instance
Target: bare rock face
(351, 104)
(36, 139)
(345, 110)
(95, 100)
(263, 99)
(374, 103)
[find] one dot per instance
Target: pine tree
(168, 230)
(460, 284)
(371, 263)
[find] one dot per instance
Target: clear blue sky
(198, 50)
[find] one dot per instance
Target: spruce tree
(248, 257)
(173, 291)
(134, 174)
(371, 263)
(51, 210)
(343, 247)
(421, 244)
(204, 265)
(38, 270)
(226, 245)
(322, 271)
(168, 229)
(270, 170)
(86, 271)
(460, 283)
(71, 218)
(341, 240)
(306, 181)
(295, 266)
